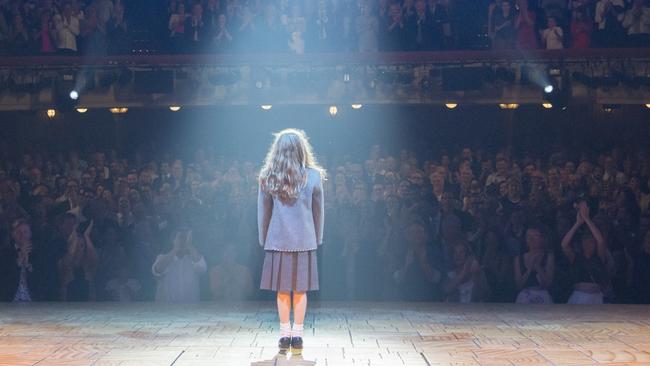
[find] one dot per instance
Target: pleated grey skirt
(290, 271)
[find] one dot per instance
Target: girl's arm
(318, 210)
(264, 210)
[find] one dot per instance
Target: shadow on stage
(283, 360)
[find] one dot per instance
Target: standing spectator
(581, 29)
(223, 39)
(421, 28)
(394, 35)
(177, 28)
(93, 33)
(592, 266)
(534, 270)
(67, 30)
(19, 40)
(118, 40)
(367, 30)
(196, 30)
(211, 16)
(493, 8)
(504, 27)
(441, 27)
(525, 25)
(553, 35)
(45, 34)
(247, 30)
(179, 270)
(609, 16)
(637, 23)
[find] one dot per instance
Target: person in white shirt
(553, 36)
(179, 271)
(637, 23)
(67, 30)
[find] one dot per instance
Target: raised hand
(583, 209)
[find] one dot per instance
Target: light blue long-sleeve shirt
(293, 227)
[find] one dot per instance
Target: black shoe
(296, 345)
(284, 344)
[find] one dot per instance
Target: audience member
(553, 35)
(593, 265)
(230, 280)
(179, 270)
(534, 270)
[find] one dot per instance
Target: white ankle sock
(298, 330)
(285, 330)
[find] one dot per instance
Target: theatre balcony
(553, 78)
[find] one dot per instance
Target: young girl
(290, 222)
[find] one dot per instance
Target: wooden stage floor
(103, 334)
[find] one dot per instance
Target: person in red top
(45, 33)
(581, 28)
(525, 25)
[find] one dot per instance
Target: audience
(101, 27)
(571, 226)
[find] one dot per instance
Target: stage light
(51, 113)
(451, 105)
(174, 108)
(548, 89)
(266, 107)
(547, 105)
(82, 110)
(74, 95)
(358, 106)
(508, 105)
(333, 110)
(346, 78)
(609, 108)
(118, 110)
(647, 105)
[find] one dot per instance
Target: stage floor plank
(111, 334)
